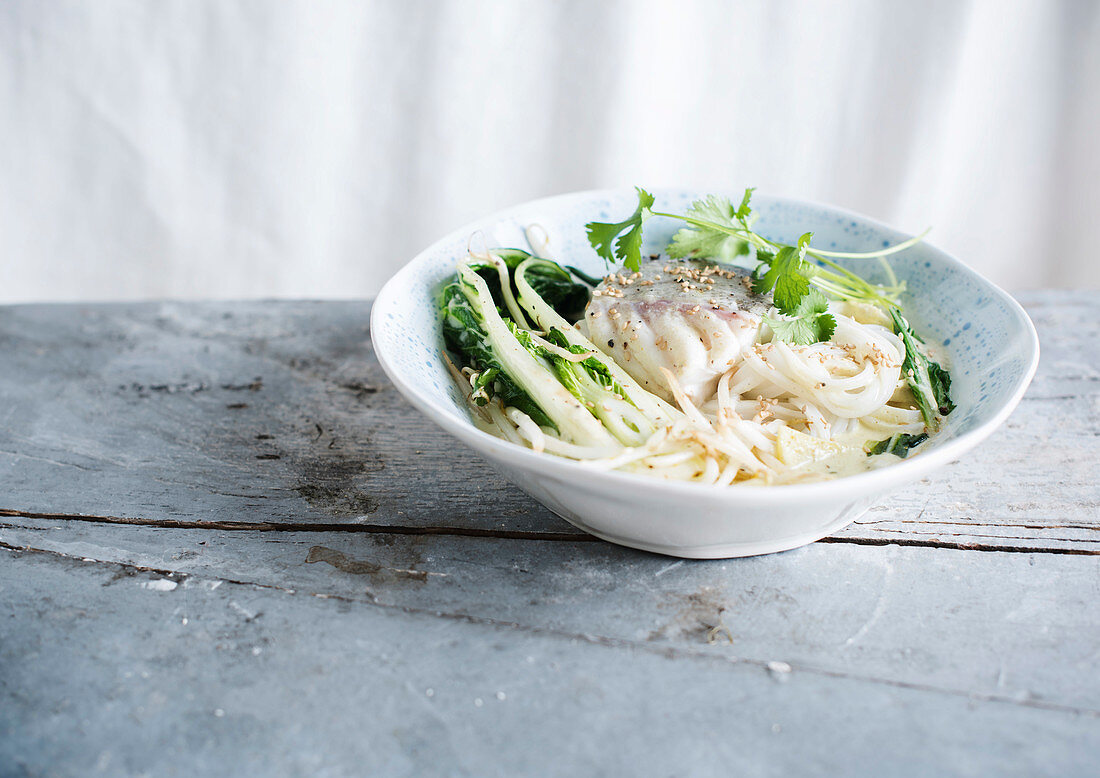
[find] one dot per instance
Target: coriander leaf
(744, 211)
(699, 242)
(811, 321)
(759, 284)
(717, 229)
(788, 274)
(712, 240)
(804, 244)
(768, 271)
(622, 241)
(602, 236)
(790, 289)
(713, 208)
(797, 332)
(898, 445)
(785, 275)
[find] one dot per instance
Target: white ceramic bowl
(990, 343)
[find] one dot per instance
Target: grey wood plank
(153, 411)
(235, 412)
(1020, 627)
(184, 677)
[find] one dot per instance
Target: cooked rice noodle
(849, 386)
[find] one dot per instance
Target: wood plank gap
(966, 522)
(383, 529)
(265, 526)
(966, 534)
(960, 546)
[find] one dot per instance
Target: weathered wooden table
(229, 547)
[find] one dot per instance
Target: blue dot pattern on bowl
(969, 325)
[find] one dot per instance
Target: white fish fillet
(692, 317)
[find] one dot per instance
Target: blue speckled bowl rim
(879, 480)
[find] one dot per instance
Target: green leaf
(558, 289)
(743, 210)
(720, 211)
(622, 241)
(596, 369)
(691, 242)
(590, 280)
(760, 285)
(811, 321)
(790, 289)
(718, 230)
(712, 242)
(898, 445)
(930, 383)
(491, 276)
(768, 271)
(715, 209)
(785, 276)
(467, 339)
(941, 388)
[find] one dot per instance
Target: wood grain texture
(132, 672)
(915, 616)
(277, 413)
(228, 545)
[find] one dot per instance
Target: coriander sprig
(622, 241)
(716, 229)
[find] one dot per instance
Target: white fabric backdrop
(307, 149)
